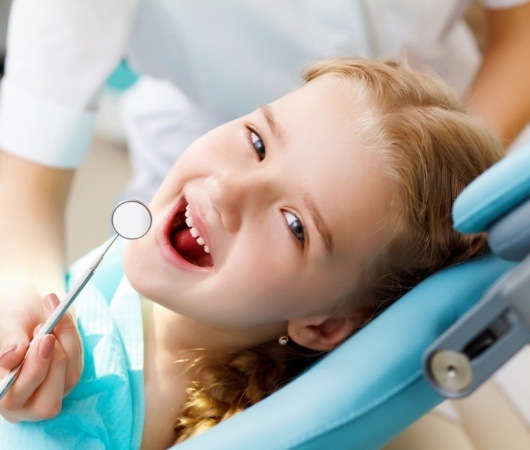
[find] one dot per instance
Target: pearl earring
(283, 340)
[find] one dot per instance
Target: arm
(58, 57)
(33, 199)
(491, 427)
(501, 92)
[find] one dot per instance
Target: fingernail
(51, 302)
(46, 346)
(10, 348)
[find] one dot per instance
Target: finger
(14, 343)
(32, 374)
(36, 330)
(47, 400)
(50, 303)
(68, 336)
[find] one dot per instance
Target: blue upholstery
(370, 388)
(499, 202)
(493, 194)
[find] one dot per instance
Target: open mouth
(186, 240)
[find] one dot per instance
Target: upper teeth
(193, 231)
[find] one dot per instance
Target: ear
(324, 332)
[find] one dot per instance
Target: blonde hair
(431, 149)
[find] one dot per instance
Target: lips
(185, 239)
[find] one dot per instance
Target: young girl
(274, 238)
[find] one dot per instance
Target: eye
(257, 143)
(295, 225)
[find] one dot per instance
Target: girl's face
(285, 207)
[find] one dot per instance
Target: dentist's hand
(52, 367)
(33, 201)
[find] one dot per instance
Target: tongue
(190, 249)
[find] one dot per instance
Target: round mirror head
(131, 219)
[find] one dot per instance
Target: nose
(233, 195)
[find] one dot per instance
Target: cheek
(259, 271)
(133, 264)
(142, 265)
(210, 145)
(191, 160)
(263, 248)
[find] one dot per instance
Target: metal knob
(451, 371)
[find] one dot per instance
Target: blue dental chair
(442, 339)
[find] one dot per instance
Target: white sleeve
(502, 4)
(59, 55)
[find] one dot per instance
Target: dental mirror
(131, 219)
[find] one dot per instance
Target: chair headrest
(494, 193)
(498, 201)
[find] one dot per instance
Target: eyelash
(262, 152)
(301, 238)
(299, 233)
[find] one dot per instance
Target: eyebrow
(321, 226)
(276, 130)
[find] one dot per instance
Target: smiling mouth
(187, 241)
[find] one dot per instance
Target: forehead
(327, 118)
(329, 141)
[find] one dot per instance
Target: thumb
(13, 346)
